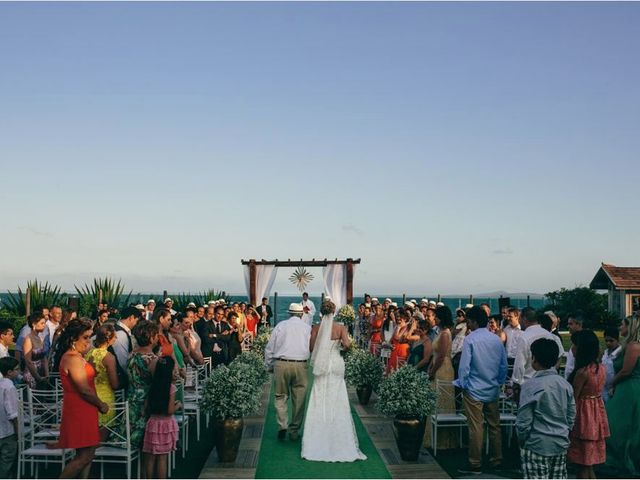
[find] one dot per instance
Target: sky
(453, 147)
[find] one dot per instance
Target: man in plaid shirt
(546, 414)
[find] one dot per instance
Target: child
(161, 431)
(611, 336)
(6, 338)
(8, 415)
(545, 415)
(591, 427)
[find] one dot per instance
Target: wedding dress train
(329, 431)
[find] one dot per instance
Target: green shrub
(256, 362)
(42, 294)
(112, 294)
(261, 340)
(362, 368)
(228, 394)
(406, 393)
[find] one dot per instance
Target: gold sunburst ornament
(301, 278)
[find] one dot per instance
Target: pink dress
(588, 435)
(161, 433)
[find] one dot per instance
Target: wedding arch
(337, 275)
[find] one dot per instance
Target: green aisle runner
(281, 459)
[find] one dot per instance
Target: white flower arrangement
(232, 392)
(256, 362)
(407, 392)
(363, 369)
(261, 340)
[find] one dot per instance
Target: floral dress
(103, 386)
(38, 358)
(140, 378)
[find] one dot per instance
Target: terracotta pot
(409, 432)
(364, 394)
(228, 434)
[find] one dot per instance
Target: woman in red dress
(252, 319)
(80, 407)
(376, 330)
(588, 447)
(399, 342)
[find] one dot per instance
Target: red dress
(591, 427)
(376, 335)
(79, 425)
(400, 350)
(252, 323)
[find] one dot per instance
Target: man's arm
(520, 361)
(121, 348)
(524, 419)
(270, 350)
(465, 366)
(502, 372)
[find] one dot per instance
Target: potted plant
(408, 396)
(230, 394)
(261, 340)
(363, 371)
(256, 362)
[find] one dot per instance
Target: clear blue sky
(455, 148)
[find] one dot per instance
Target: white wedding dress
(329, 432)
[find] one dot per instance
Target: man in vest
(123, 345)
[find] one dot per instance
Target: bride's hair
(327, 307)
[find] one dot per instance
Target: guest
(36, 368)
(6, 339)
(123, 345)
(161, 432)
(9, 371)
(235, 337)
(265, 312)
(591, 428)
(623, 407)
(150, 307)
(420, 352)
(399, 342)
(104, 363)
(55, 317)
(483, 369)
(388, 329)
(376, 331)
(441, 368)
(364, 322)
(215, 336)
(522, 369)
(494, 328)
(141, 366)
(80, 403)
(513, 331)
(67, 315)
(611, 336)
(251, 320)
(203, 327)
(459, 335)
(430, 317)
(26, 330)
(555, 321)
(545, 415)
(103, 317)
(162, 317)
(192, 338)
(575, 323)
(181, 348)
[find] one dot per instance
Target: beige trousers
(291, 381)
(477, 412)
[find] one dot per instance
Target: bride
(329, 432)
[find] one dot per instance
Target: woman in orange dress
(81, 405)
(401, 347)
(252, 319)
(376, 330)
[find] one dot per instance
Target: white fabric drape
(335, 283)
(265, 276)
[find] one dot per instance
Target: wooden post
(164, 295)
(99, 296)
(322, 298)
(470, 298)
(404, 299)
(528, 300)
(349, 281)
(27, 303)
(275, 308)
(252, 282)
(439, 298)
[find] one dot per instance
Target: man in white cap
(286, 354)
(309, 309)
(148, 311)
(169, 304)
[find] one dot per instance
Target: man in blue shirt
(483, 369)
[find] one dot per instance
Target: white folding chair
(117, 446)
(441, 419)
(247, 341)
(183, 424)
(44, 410)
(192, 396)
(508, 414)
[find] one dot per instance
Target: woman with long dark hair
(80, 406)
(35, 365)
(591, 428)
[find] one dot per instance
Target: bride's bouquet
(346, 315)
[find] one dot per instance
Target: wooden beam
(299, 263)
(349, 281)
(252, 283)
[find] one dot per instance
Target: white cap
(469, 305)
(140, 306)
(167, 300)
(394, 304)
(295, 308)
(388, 300)
(151, 300)
(212, 302)
(432, 302)
(191, 304)
(440, 304)
(424, 301)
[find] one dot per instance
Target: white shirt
(52, 327)
(8, 407)
(4, 352)
(121, 346)
(308, 317)
(194, 340)
(513, 334)
(570, 365)
(522, 369)
(289, 340)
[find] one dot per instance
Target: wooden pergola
(349, 262)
